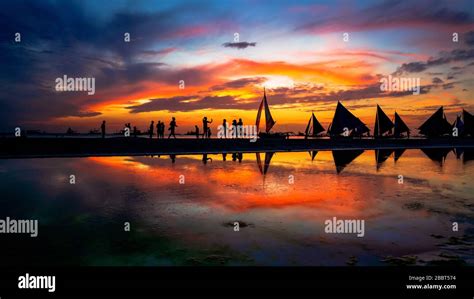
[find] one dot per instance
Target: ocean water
(418, 210)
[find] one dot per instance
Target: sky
(294, 49)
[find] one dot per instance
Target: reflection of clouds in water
(288, 218)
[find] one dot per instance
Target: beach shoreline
(11, 148)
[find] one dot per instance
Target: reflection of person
(205, 126)
(102, 128)
(172, 127)
(205, 159)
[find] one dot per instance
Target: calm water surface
(282, 213)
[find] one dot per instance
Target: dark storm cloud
(239, 45)
(437, 80)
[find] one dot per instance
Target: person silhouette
(205, 126)
(172, 128)
(135, 131)
(240, 128)
(197, 131)
(102, 128)
(163, 130)
(234, 128)
(224, 125)
(158, 129)
(209, 133)
(151, 130)
(173, 158)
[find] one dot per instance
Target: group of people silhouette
(236, 127)
(160, 128)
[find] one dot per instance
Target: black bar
(242, 282)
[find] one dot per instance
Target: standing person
(135, 131)
(158, 129)
(197, 131)
(162, 130)
(224, 124)
(152, 128)
(172, 127)
(205, 126)
(234, 128)
(240, 128)
(102, 128)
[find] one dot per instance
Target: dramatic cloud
(239, 45)
(182, 40)
(391, 14)
(443, 58)
(239, 83)
(282, 96)
(469, 38)
(183, 104)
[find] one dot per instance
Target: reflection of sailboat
(458, 152)
(383, 124)
(344, 120)
(468, 119)
(400, 127)
(436, 125)
(381, 155)
(468, 155)
(313, 128)
(342, 158)
(269, 122)
(312, 154)
(268, 157)
(436, 154)
(398, 153)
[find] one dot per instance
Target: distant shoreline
(12, 148)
